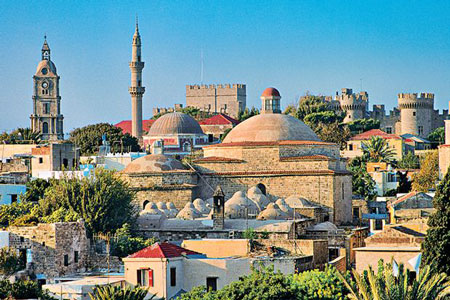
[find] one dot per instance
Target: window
(210, 138)
(41, 160)
(139, 83)
(211, 283)
(139, 58)
(267, 105)
(187, 147)
(75, 256)
(65, 163)
(389, 130)
(45, 127)
(173, 276)
(350, 147)
(414, 113)
(13, 198)
(145, 277)
(378, 224)
(420, 130)
(66, 260)
(392, 177)
(355, 212)
(22, 239)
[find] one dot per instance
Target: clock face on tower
(45, 84)
(44, 71)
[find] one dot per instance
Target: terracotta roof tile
(220, 119)
(125, 125)
(375, 132)
(162, 250)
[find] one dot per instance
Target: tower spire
(45, 49)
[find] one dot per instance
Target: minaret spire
(136, 89)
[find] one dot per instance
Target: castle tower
(270, 99)
(354, 105)
(218, 209)
(416, 113)
(136, 89)
(46, 118)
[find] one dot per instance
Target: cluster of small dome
(253, 204)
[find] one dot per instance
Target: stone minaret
(136, 89)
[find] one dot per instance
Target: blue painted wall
(8, 190)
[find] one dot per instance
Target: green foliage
(290, 110)
(89, 138)
(437, 136)
(247, 113)
(225, 133)
(377, 150)
(125, 243)
(315, 284)
(362, 125)
(10, 212)
(428, 174)
(110, 292)
(21, 136)
(249, 234)
(362, 182)
(384, 284)
(333, 133)
(10, 262)
(22, 290)
(323, 117)
(310, 104)
(409, 161)
(103, 200)
(35, 190)
(437, 241)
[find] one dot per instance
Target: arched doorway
(262, 188)
(45, 127)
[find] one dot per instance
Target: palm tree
(377, 150)
(388, 285)
(26, 135)
(109, 292)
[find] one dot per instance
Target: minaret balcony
(137, 64)
(136, 90)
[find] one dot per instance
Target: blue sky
(296, 46)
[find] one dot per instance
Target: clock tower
(47, 118)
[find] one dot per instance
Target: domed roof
(272, 212)
(271, 92)
(200, 205)
(298, 202)
(189, 212)
(240, 199)
(175, 123)
(271, 128)
(153, 163)
(255, 194)
(48, 65)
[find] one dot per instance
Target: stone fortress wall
(229, 99)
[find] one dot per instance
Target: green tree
(225, 133)
(315, 284)
(309, 104)
(35, 190)
(437, 241)
(437, 136)
(323, 117)
(10, 212)
(21, 136)
(362, 125)
(22, 290)
(247, 113)
(290, 110)
(125, 243)
(89, 138)
(103, 200)
(110, 292)
(428, 174)
(333, 133)
(362, 182)
(10, 262)
(377, 150)
(409, 161)
(384, 284)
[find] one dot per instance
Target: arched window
(145, 204)
(187, 147)
(45, 127)
(262, 188)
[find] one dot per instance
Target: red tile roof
(219, 119)
(125, 125)
(375, 132)
(162, 250)
(271, 92)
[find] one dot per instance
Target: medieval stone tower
(416, 113)
(355, 105)
(136, 89)
(46, 118)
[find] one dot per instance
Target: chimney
(218, 209)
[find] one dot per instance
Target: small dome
(255, 194)
(328, 226)
(200, 205)
(234, 211)
(243, 201)
(151, 209)
(298, 202)
(153, 163)
(162, 207)
(284, 206)
(175, 123)
(189, 212)
(272, 212)
(271, 92)
(271, 128)
(172, 210)
(48, 65)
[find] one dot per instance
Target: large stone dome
(153, 163)
(271, 128)
(175, 123)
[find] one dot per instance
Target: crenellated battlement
(215, 86)
(416, 96)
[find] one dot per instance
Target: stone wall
(339, 264)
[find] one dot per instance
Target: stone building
(53, 157)
(444, 152)
(50, 250)
(222, 98)
(217, 125)
(46, 118)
